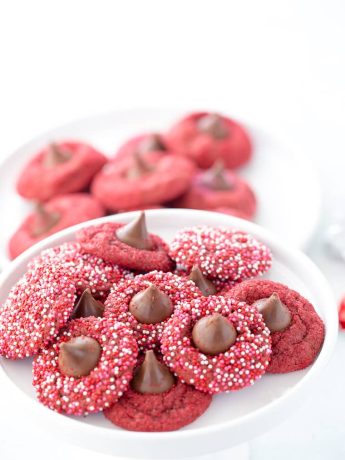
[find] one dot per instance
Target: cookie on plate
(216, 344)
(138, 180)
(296, 329)
(207, 137)
(129, 246)
(156, 401)
(221, 253)
(146, 303)
(87, 368)
(56, 214)
(36, 309)
(87, 271)
(219, 188)
(142, 144)
(59, 168)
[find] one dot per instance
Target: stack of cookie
(122, 323)
(190, 166)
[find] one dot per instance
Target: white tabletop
(281, 63)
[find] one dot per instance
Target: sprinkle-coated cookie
(37, 307)
(56, 214)
(243, 363)
(86, 270)
(167, 411)
(104, 384)
(101, 241)
(63, 167)
(222, 253)
(298, 345)
(206, 138)
(117, 305)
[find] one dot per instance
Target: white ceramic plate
(285, 183)
(232, 418)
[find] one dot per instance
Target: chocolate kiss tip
(205, 285)
(216, 177)
(152, 376)
(87, 305)
(151, 306)
(55, 156)
(135, 233)
(43, 220)
(276, 315)
(213, 125)
(79, 356)
(213, 334)
(140, 166)
(151, 143)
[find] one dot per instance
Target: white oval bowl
(232, 418)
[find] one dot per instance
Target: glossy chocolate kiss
(216, 177)
(87, 305)
(213, 125)
(152, 143)
(55, 156)
(276, 315)
(135, 234)
(152, 376)
(151, 306)
(43, 221)
(213, 334)
(79, 356)
(205, 285)
(140, 167)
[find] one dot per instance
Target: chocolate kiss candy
(43, 221)
(151, 143)
(55, 156)
(216, 178)
(213, 334)
(87, 305)
(151, 306)
(79, 356)
(135, 233)
(152, 376)
(140, 167)
(276, 315)
(213, 125)
(205, 286)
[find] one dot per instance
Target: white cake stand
(232, 419)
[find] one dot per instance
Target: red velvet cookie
(55, 215)
(87, 369)
(221, 253)
(140, 251)
(193, 346)
(138, 180)
(86, 270)
(167, 411)
(142, 144)
(218, 188)
(147, 313)
(206, 138)
(59, 168)
(298, 345)
(37, 307)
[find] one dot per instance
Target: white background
(281, 63)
